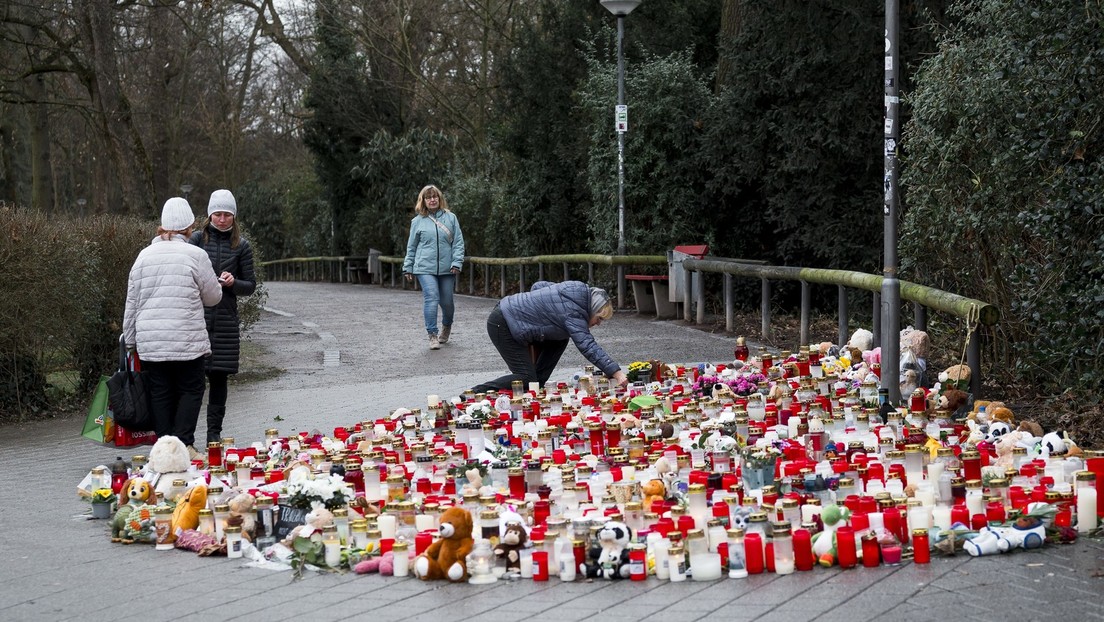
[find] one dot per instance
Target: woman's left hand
(226, 279)
(455, 270)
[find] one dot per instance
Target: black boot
(215, 415)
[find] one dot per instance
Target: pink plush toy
(384, 564)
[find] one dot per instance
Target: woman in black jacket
(232, 261)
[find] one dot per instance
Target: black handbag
(128, 396)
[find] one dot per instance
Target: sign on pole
(621, 118)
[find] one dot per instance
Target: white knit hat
(177, 215)
(222, 201)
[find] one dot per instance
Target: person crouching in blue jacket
(531, 330)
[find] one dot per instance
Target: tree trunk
(42, 184)
(732, 19)
(125, 147)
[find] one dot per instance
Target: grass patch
(251, 366)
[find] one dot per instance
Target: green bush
(63, 287)
(1003, 174)
(48, 295)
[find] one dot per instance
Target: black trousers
(528, 362)
(176, 396)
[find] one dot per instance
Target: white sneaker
(443, 337)
(434, 343)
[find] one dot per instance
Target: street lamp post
(185, 188)
(621, 8)
(891, 285)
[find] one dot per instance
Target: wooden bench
(651, 294)
(358, 270)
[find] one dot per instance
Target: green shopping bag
(98, 424)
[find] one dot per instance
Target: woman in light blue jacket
(435, 254)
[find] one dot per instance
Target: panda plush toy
(609, 556)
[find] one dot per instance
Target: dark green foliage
(794, 144)
(393, 170)
(543, 144)
(287, 215)
(663, 179)
(348, 109)
(1004, 178)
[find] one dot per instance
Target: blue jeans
(437, 291)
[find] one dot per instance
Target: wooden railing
(611, 272)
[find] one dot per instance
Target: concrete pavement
(353, 352)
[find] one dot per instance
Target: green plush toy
(824, 543)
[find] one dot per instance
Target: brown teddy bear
(952, 401)
(653, 490)
(955, 376)
(242, 514)
(446, 558)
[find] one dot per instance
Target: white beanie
(222, 201)
(177, 215)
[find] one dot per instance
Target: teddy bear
(955, 377)
(653, 490)
(1057, 444)
(861, 340)
(475, 482)
(952, 401)
(316, 520)
(242, 514)
(1020, 437)
(168, 460)
(609, 556)
(186, 513)
(138, 492)
(446, 558)
(514, 538)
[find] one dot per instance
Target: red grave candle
(753, 552)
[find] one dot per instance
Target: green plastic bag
(98, 424)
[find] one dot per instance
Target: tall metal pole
(891, 286)
(620, 138)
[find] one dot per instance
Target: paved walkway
(355, 352)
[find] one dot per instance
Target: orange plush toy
(186, 514)
(446, 558)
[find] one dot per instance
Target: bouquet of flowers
(640, 371)
(757, 463)
(743, 384)
(330, 491)
(761, 454)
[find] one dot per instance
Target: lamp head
(620, 8)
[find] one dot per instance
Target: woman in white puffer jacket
(169, 285)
